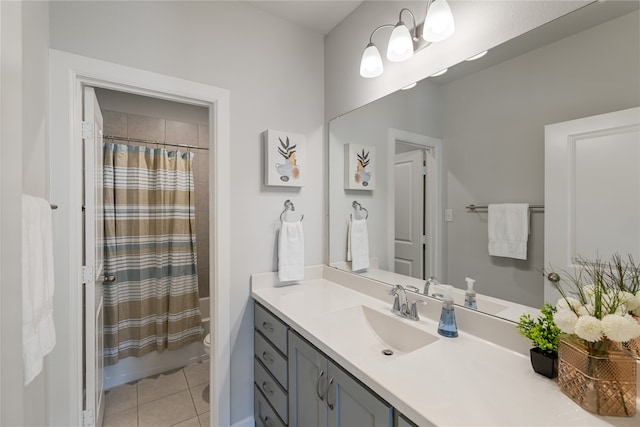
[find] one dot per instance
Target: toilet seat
(207, 343)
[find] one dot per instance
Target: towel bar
(473, 207)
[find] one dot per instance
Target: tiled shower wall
(177, 132)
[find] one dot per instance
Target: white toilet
(207, 344)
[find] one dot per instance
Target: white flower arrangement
(604, 307)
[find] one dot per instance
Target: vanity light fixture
(409, 86)
(478, 56)
(403, 43)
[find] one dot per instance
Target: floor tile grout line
(195, 408)
(191, 394)
(158, 398)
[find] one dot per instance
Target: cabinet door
(307, 384)
(402, 421)
(352, 405)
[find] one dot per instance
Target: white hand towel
(38, 331)
(359, 245)
(508, 226)
(349, 240)
(291, 251)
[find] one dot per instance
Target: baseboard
(247, 422)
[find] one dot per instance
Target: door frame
(68, 74)
(433, 148)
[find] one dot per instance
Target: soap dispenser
(447, 326)
(470, 294)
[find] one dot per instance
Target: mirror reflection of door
(592, 190)
(410, 190)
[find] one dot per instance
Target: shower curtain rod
(149, 141)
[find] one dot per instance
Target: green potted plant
(543, 334)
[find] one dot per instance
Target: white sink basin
(361, 330)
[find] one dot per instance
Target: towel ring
(288, 206)
(358, 206)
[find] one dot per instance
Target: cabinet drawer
(263, 412)
(271, 390)
(271, 359)
(271, 327)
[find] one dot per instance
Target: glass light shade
(371, 63)
(400, 44)
(438, 25)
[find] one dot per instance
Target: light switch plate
(448, 215)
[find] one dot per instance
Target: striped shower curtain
(150, 248)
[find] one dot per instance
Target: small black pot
(544, 364)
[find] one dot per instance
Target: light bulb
(438, 25)
(400, 46)
(371, 63)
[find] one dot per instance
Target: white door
(592, 190)
(93, 262)
(409, 247)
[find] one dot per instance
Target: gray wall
(492, 126)
(23, 168)
(480, 25)
(494, 142)
(274, 72)
(418, 110)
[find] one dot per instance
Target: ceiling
(320, 16)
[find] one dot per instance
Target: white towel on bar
(359, 245)
(291, 251)
(349, 240)
(38, 331)
(508, 225)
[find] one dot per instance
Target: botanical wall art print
(359, 167)
(285, 159)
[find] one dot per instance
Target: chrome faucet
(430, 281)
(402, 306)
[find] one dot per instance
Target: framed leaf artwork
(359, 167)
(285, 159)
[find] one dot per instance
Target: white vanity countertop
(463, 381)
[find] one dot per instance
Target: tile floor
(175, 398)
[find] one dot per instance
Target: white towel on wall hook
(38, 331)
(291, 251)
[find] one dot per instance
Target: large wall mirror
(475, 135)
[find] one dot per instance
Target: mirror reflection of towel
(291, 251)
(359, 239)
(508, 225)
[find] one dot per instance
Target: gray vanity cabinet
(321, 394)
(270, 371)
(307, 384)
